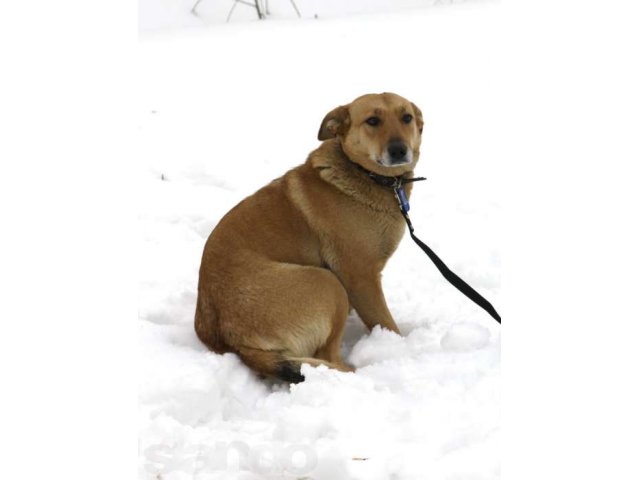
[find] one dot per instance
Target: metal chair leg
(193, 9)
(295, 7)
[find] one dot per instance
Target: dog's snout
(397, 151)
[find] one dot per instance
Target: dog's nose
(397, 151)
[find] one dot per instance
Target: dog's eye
(406, 118)
(373, 121)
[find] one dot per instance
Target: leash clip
(401, 196)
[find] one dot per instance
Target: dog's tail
(276, 364)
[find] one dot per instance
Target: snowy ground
(171, 14)
(223, 111)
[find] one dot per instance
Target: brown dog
(282, 269)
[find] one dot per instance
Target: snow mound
(465, 336)
(405, 410)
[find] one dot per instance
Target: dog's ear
(417, 113)
(335, 123)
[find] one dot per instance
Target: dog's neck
(382, 180)
(334, 167)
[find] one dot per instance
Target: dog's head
(380, 132)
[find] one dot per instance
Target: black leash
(397, 184)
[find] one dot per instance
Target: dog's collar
(385, 181)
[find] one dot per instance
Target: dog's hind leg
(330, 351)
(288, 315)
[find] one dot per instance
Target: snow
(226, 108)
(465, 336)
(170, 14)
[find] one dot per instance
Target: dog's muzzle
(398, 153)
